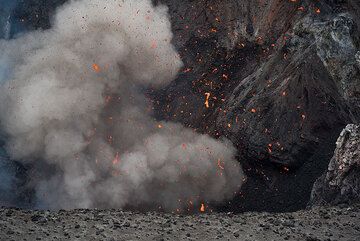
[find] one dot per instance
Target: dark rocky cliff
(280, 79)
(341, 181)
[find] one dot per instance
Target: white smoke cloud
(74, 109)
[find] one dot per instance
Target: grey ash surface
(332, 223)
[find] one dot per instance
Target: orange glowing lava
(202, 208)
(96, 68)
(207, 100)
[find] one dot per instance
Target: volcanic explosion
(75, 112)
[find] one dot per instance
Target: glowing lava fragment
(116, 159)
(202, 208)
(207, 100)
(219, 165)
(96, 68)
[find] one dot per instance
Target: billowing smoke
(75, 111)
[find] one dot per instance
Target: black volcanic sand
(331, 223)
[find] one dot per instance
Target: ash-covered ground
(333, 223)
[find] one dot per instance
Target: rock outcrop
(341, 182)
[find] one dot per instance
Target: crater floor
(331, 223)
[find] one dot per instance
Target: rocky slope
(280, 79)
(338, 223)
(341, 182)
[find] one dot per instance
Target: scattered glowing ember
(220, 165)
(253, 110)
(202, 208)
(108, 99)
(207, 100)
(96, 68)
(187, 70)
(153, 45)
(303, 116)
(318, 10)
(110, 139)
(116, 159)
(160, 126)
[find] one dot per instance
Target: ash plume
(74, 109)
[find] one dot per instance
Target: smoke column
(74, 110)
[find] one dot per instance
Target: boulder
(341, 182)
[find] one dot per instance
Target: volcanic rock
(282, 80)
(341, 182)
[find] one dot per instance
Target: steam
(74, 109)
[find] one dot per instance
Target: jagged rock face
(232, 21)
(282, 70)
(341, 182)
(283, 79)
(303, 90)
